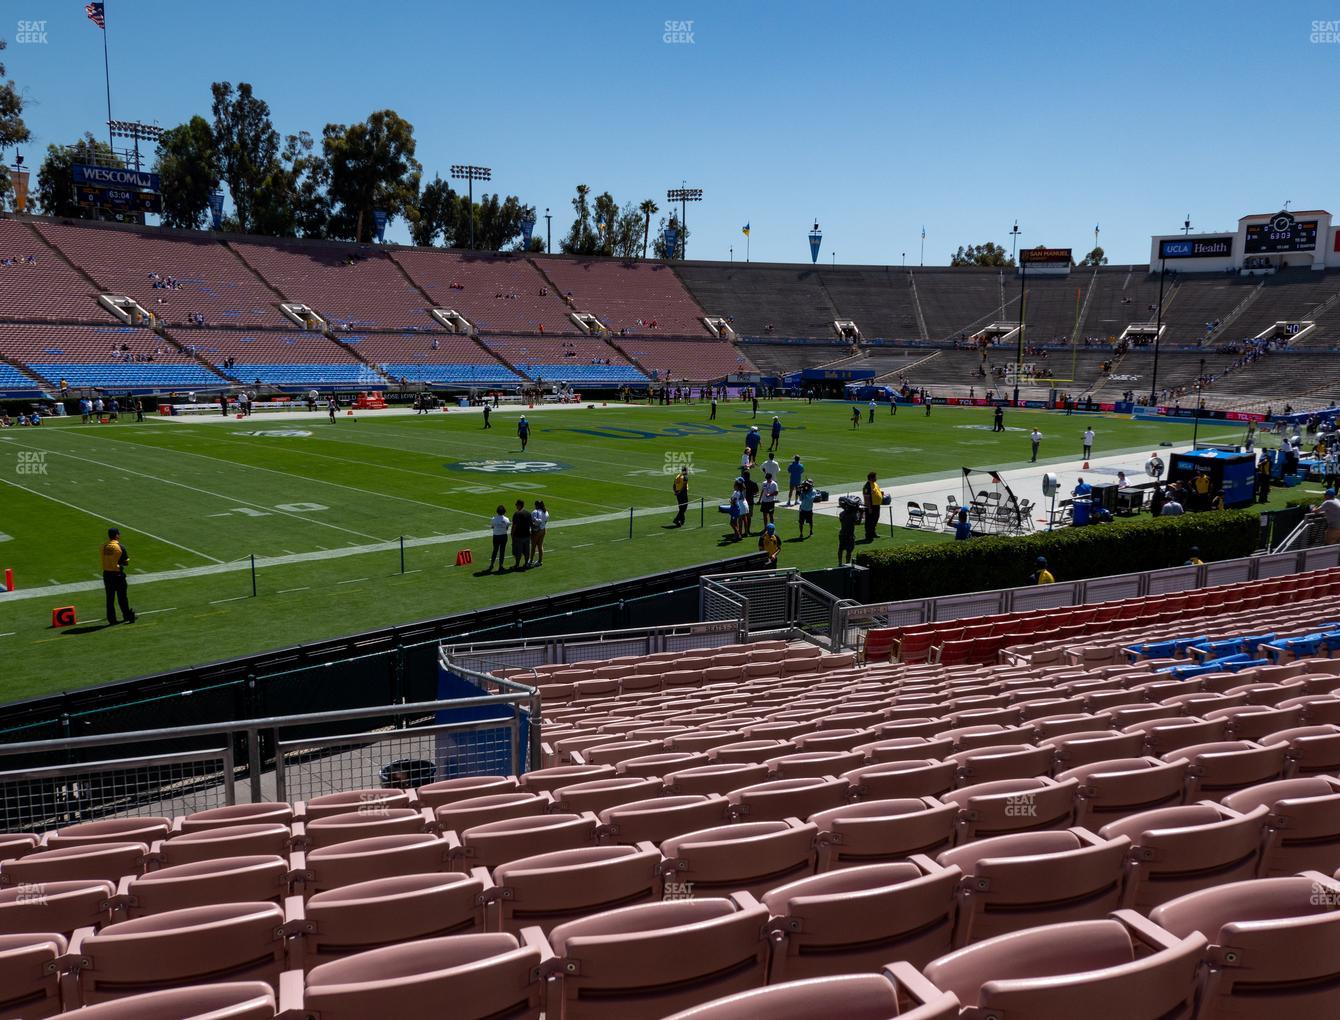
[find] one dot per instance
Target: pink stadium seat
(600, 794)
(786, 798)
(110, 830)
(659, 818)
(496, 843)
(271, 813)
(875, 831)
(362, 824)
(481, 975)
(916, 778)
(1001, 761)
(1303, 827)
(550, 889)
(55, 907)
(204, 844)
(719, 778)
(1177, 850)
(1225, 766)
(1274, 945)
(460, 815)
(848, 921)
(30, 981)
(384, 912)
(1114, 789)
(366, 800)
(105, 861)
(236, 941)
(361, 860)
(448, 791)
(259, 879)
(1012, 805)
(752, 856)
(1309, 750)
(657, 958)
(233, 1000)
(1119, 968)
(1028, 879)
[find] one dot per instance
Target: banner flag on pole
(96, 14)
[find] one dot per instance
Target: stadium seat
(110, 830)
(786, 798)
(1225, 766)
(237, 941)
(1001, 761)
(1087, 746)
(104, 861)
(551, 889)
(1303, 827)
(262, 812)
(1176, 850)
(1114, 789)
(657, 958)
(915, 778)
(874, 831)
(258, 879)
(206, 844)
(234, 1000)
(460, 815)
(1274, 945)
(386, 911)
(1027, 879)
(55, 907)
(898, 991)
(718, 778)
(480, 975)
(328, 830)
(510, 839)
(1012, 805)
(599, 794)
(851, 921)
(366, 800)
(1118, 968)
(659, 818)
(751, 856)
(361, 860)
(30, 978)
(1309, 750)
(449, 791)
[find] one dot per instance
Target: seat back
(257, 879)
(550, 889)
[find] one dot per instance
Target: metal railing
(482, 657)
(768, 600)
(1311, 532)
(45, 784)
(851, 619)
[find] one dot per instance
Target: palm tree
(583, 214)
(648, 207)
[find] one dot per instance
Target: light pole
(135, 131)
(1186, 226)
(548, 232)
(1200, 385)
(1158, 322)
(684, 196)
(471, 173)
(1014, 238)
(1019, 350)
(904, 260)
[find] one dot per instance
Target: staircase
(916, 304)
(1232, 316)
(25, 370)
(894, 373)
(1084, 308)
(609, 339)
(167, 335)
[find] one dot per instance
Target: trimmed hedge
(984, 564)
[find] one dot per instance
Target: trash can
(408, 773)
(1080, 511)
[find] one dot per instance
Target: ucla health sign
(1196, 248)
(114, 177)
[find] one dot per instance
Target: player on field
(523, 431)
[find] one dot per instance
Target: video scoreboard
(1281, 233)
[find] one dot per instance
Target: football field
(358, 524)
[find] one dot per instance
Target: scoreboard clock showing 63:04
(1280, 233)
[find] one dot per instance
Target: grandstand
(763, 300)
(495, 293)
(435, 359)
(174, 276)
(570, 359)
(695, 360)
(1126, 788)
(106, 357)
(278, 357)
(38, 285)
(641, 298)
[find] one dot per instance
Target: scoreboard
(1281, 233)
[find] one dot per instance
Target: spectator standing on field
(1036, 439)
(523, 432)
(521, 524)
(499, 525)
(1088, 443)
(872, 410)
(776, 434)
(770, 544)
(873, 497)
(805, 495)
(488, 413)
(855, 416)
(114, 560)
(539, 524)
(795, 472)
(847, 532)
(998, 424)
(768, 499)
(752, 442)
(680, 486)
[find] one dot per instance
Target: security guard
(681, 490)
(114, 560)
(770, 544)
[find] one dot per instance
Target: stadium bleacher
(763, 300)
(432, 358)
(195, 274)
(278, 357)
(569, 359)
(105, 357)
(628, 295)
(35, 284)
(695, 360)
(495, 293)
(1060, 827)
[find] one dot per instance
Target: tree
(12, 129)
(55, 179)
(1094, 258)
(247, 145)
(658, 245)
(581, 238)
(647, 208)
(372, 166)
(988, 254)
(293, 199)
(189, 167)
(434, 214)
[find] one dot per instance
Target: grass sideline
(325, 506)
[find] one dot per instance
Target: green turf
(201, 494)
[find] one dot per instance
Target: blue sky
(873, 118)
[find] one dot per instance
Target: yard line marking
(8, 634)
(416, 570)
(243, 565)
(216, 495)
(183, 566)
(141, 531)
(352, 580)
(53, 580)
(150, 612)
(285, 591)
(287, 552)
(216, 602)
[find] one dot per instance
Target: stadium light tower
(1019, 340)
(548, 232)
(684, 196)
(468, 172)
(1014, 238)
(1186, 225)
(136, 132)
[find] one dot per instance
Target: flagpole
(747, 239)
(107, 79)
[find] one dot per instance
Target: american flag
(96, 15)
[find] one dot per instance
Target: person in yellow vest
(1194, 559)
(681, 490)
(1042, 575)
(770, 544)
(873, 497)
(114, 560)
